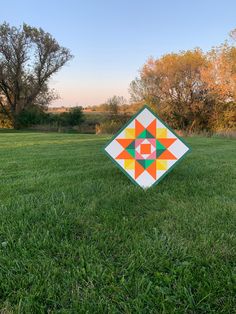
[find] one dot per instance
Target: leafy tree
(29, 56)
(173, 85)
(220, 78)
(190, 89)
(114, 103)
(71, 118)
(31, 116)
(75, 116)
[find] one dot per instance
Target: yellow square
(130, 133)
(129, 164)
(161, 164)
(161, 133)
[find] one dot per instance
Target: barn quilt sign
(146, 149)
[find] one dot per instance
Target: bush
(35, 116)
(112, 124)
(72, 118)
(86, 127)
(31, 117)
(5, 122)
(108, 127)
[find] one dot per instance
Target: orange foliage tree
(220, 77)
(191, 90)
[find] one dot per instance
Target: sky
(112, 39)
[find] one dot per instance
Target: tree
(220, 77)
(71, 118)
(31, 116)
(75, 116)
(173, 85)
(114, 103)
(190, 89)
(29, 56)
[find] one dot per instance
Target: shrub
(112, 124)
(72, 118)
(5, 122)
(108, 127)
(32, 116)
(86, 127)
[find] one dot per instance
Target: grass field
(76, 236)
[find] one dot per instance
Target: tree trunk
(15, 122)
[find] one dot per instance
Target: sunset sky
(111, 40)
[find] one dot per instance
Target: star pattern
(146, 148)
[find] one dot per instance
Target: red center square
(145, 148)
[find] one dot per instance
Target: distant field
(76, 236)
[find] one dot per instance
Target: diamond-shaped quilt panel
(146, 148)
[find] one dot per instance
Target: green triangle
(131, 145)
(131, 152)
(145, 162)
(159, 145)
(159, 152)
(145, 134)
(141, 162)
(149, 135)
(142, 134)
(148, 162)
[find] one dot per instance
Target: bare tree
(114, 103)
(29, 56)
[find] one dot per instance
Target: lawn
(76, 236)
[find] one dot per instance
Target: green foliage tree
(32, 116)
(35, 115)
(29, 57)
(71, 118)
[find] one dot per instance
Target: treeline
(36, 116)
(191, 90)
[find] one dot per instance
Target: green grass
(76, 236)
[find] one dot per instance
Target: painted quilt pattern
(146, 149)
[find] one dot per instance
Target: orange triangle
(124, 155)
(167, 155)
(167, 141)
(138, 169)
(152, 170)
(152, 127)
(124, 142)
(139, 128)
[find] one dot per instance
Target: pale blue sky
(111, 40)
